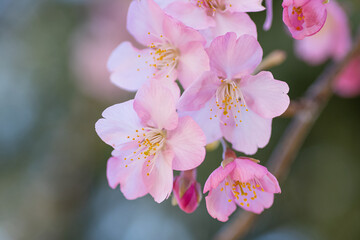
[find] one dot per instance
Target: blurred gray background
(54, 87)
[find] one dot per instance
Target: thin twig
(315, 99)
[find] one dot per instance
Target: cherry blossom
(150, 141)
(239, 182)
(228, 101)
(304, 17)
(173, 51)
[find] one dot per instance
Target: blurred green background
(54, 87)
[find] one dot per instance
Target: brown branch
(315, 99)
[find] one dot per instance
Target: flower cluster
(197, 82)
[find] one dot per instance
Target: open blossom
(304, 17)
(332, 41)
(215, 17)
(348, 82)
(228, 101)
(239, 182)
(187, 191)
(150, 141)
(174, 50)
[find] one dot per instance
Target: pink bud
(187, 191)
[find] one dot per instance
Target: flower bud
(187, 191)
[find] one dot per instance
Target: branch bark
(314, 101)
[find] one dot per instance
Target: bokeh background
(53, 88)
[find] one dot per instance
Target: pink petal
(231, 58)
(210, 127)
(119, 121)
(245, 5)
(314, 12)
(199, 93)
(159, 178)
(270, 184)
(263, 200)
(240, 23)
(218, 176)
(128, 66)
(189, 201)
(193, 62)
(191, 15)
(129, 178)
(265, 95)
(165, 3)
(247, 170)
(187, 193)
(145, 17)
(187, 142)
(218, 205)
(155, 105)
(179, 35)
(252, 133)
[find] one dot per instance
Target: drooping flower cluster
(208, 50)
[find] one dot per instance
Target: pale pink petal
(187, 142)
(155, 105)
(245, 5)
(190, 14)
(128, 66)
(206, 120)
(232, 58)
(119, 121)
(171, 86)
(263, 200)
(159, 178)
(247, 170)
(145, 17)
(165, 3)
(193, 62)
(178, 34)
(252, 133)
(218, 176)
(270, 184)
(129, 176)
(199, 93)
(265, 95)
(218, 205)
(240, 23)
